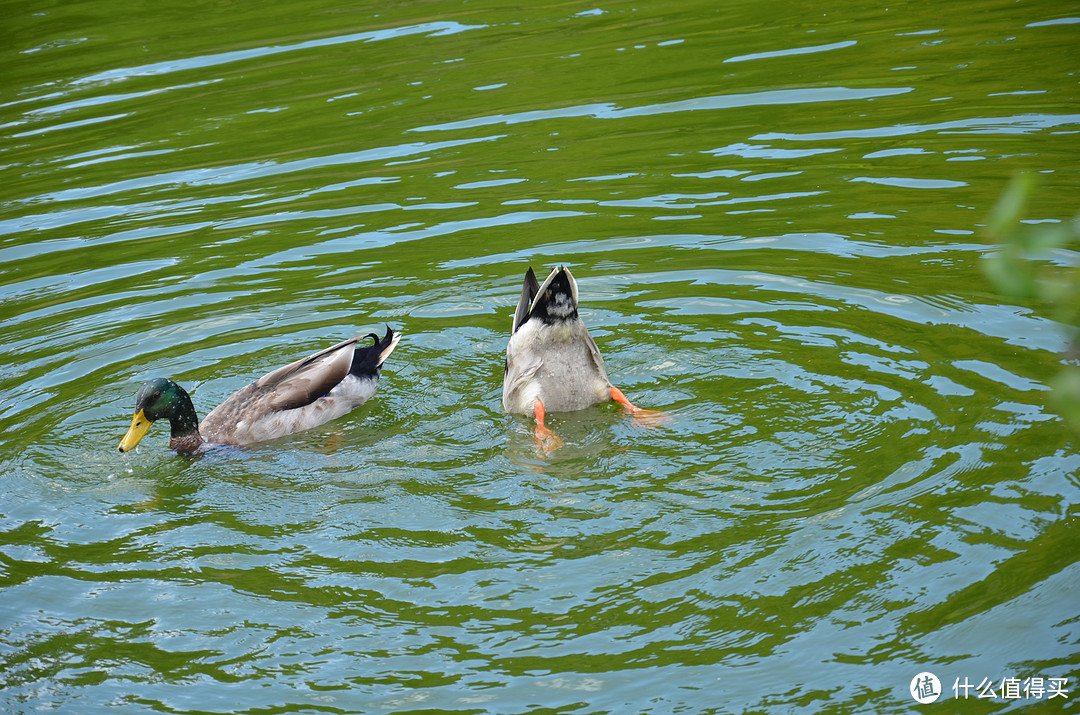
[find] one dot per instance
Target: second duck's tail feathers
(556, 299)
(529, 289)
(367, 360)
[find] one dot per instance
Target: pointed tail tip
(389, 337)
(560, 283)
(367, 359)
(388, 343)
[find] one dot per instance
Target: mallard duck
(552, 363)
(299, 396)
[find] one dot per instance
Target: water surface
(776, 217)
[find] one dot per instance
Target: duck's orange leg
(649, 418)
(546, 440)
(618, 396)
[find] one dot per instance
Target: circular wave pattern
(777, 238)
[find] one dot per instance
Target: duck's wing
(304, 381)
(529, 289)
(519, 387)
(300, 395)
(594, 353)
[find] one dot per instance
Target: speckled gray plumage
(298, 396)
(551, 357)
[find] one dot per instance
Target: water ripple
(727, 101)
(858, 476)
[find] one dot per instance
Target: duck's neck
(185, 437)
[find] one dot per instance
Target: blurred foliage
(1036, 264)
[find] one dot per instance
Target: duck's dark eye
(156, 396)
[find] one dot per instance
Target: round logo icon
(925, 688)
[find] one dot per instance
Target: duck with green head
(301, 395)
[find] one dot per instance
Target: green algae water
(776, 214)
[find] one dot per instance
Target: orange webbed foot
(647, 418)
(546, 440)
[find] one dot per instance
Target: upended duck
(304, 394)
(552, 363)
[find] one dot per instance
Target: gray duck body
(301, 395)
(551, 358)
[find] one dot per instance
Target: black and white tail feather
(551, 358)
(303, 394)
(552, 302)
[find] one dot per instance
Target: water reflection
(859, 480)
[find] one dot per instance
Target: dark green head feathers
(158, 399)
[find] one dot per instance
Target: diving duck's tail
(556, 298)
(367, 360)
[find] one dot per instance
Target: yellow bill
(135, 433)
